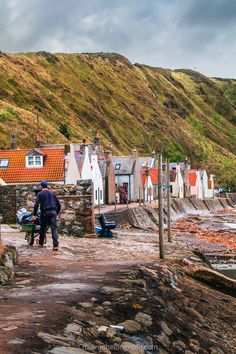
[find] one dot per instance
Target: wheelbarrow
(32, 231)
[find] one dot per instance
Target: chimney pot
(13, 141)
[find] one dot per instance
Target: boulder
(144, 319)
(132, 348)
(131, 326)
(68, 350)
(166, 329)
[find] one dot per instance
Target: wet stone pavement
(47, 283)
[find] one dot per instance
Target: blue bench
(106, 227)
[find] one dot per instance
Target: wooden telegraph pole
(160, 206)
(168, 200)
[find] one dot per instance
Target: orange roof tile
(154, 175)
(153, 172)
(17, 172)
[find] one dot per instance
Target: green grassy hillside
(131, 105)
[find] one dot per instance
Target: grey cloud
(168, 33)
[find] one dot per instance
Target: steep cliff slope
(131, 105)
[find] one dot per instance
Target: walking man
(50, 207)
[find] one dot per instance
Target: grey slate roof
(126, 164)
(103, 167)
(78, 157)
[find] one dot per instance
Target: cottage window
(34, 161)
(96, 195)
(4, 163)
(117, 167)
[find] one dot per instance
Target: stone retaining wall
(8, 260)
(77, 214)
(146, 217)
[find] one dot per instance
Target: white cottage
(87, 160)
(97, 181)
(195, 184)
(176, 181)
(72, 174)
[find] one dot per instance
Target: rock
(163, 340)
(179, 345)
(68, 350)
(10, 328)
(92, 331)
(9, 261)
(166, 329)
(117, 340)
(102, 330)
(132, 348)
(16, 341)
(107, 303)
(99, 309)
(108, 290)
(132, 282)
(214, 350)
(194, 345)
(85, 305)
(111, 332)
(5, 275)
(131, 326)
(98, 314)
(55, 340)
(144, 319)
(73, 328)
(193, 313)
(104, 349)
(163, 351)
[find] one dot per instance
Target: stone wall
(146, 217)
(8, 204)
(77, 214)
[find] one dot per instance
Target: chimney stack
(13, 141)
(135, 153)
(39, 141)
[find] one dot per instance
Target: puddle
(66, 286)
(227, 269)
(231, 225)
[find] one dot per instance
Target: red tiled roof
(192, 178)
(154, 175)
(17, 172)
(153, 172)
(144, 178)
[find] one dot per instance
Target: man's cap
(44, 184)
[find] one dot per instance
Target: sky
(193, 34)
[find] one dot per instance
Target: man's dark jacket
(48, 202)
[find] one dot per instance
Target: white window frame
(4, 162)
(35, 159)
(117, 166)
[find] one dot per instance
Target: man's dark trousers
(46, 220)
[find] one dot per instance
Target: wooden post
(0, 227)
(115, 200)
(168, 200)
(99, 205)
(160, 207)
